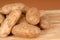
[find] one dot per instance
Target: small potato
(1, 18)
(50, 19)
(9, 22)
(9, 7)
(33, 16)
(44, 24)
(26, 30)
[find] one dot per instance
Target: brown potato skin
(6, 9)
(26, 30)
(9, 22)
(44, 24)
(33, 16)
(1, 18)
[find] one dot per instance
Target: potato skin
(26, 30)
(1, 18)
(9, 22)
(6, 9)
(44, 24)
(33, 16)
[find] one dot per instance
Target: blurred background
(40, 4)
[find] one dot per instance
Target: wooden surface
(41, 4)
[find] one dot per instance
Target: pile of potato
(18, 20)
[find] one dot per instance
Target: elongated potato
(9, 7)
(9, 22)
(33, 16)
(26, 30)
(1, 18)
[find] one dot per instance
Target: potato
(44, 24)
(9, 22)
(50, 19)
(6, 9)
(26, 30)
(33, 16)
(1, 18)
